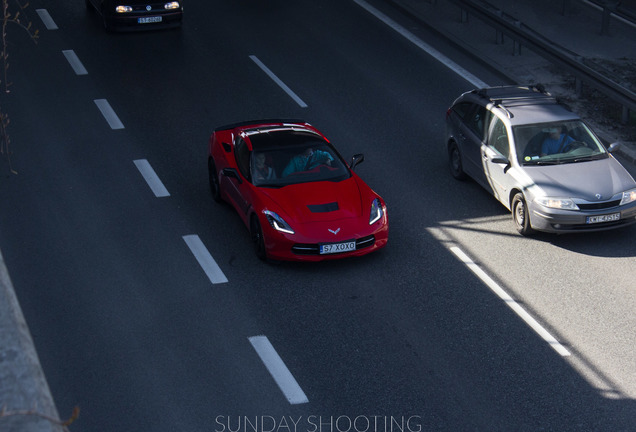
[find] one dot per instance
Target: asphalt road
(129, 326)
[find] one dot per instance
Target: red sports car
(297, 196)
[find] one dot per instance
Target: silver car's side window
(477, 120)
(462, 109)
(498, 137)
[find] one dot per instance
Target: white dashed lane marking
(109, 114)
(46, 19)
(278, 370)
(207, 263)
(75, 62)
(151, 178)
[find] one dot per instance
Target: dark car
(539, 159)
(123, 15)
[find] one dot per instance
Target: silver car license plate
(152, 19)
(603, 218)
(330, 248)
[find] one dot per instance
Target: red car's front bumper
(305, 244)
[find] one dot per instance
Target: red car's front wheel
(214, 181)
(257, 238)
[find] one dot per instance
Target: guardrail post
(464, 16)
(605, 21)
(609, 6)
(578, 83)
(626, 115)
(565, 7)
(516, 45)
(499, 37)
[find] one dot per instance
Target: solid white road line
(109, 114)
(281, 84)
(75, 62)
(151, 178)
(210, 267)
(278, 370)
(510, 302)
(423, 45)
(46, 19)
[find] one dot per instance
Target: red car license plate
(338, 247)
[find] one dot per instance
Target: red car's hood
(317, 201)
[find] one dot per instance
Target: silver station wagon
(539, 159)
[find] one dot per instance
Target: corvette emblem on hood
(598, 196)
(334, 232)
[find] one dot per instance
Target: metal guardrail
(608, 8)
(526, 36)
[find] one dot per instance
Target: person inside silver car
(556, 142)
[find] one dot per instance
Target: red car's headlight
(376, 211)
(277, 222)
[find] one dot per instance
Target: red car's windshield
(312, 161)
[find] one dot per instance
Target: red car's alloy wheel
(214, 181)
(257, 238)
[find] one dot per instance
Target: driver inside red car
(307, 160)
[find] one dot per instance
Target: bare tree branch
(34, 412)
(10, 18)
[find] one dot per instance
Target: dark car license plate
(603, 218)
(152, 19)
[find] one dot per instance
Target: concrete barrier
(23, 386)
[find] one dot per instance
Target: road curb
(23, 386)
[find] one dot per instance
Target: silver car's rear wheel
(455, 162)
(520, 215)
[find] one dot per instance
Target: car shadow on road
(617, 243)
(487, 215)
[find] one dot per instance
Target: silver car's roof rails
(506, 97)
(499, 104)
(510, 92)
(540, 88)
